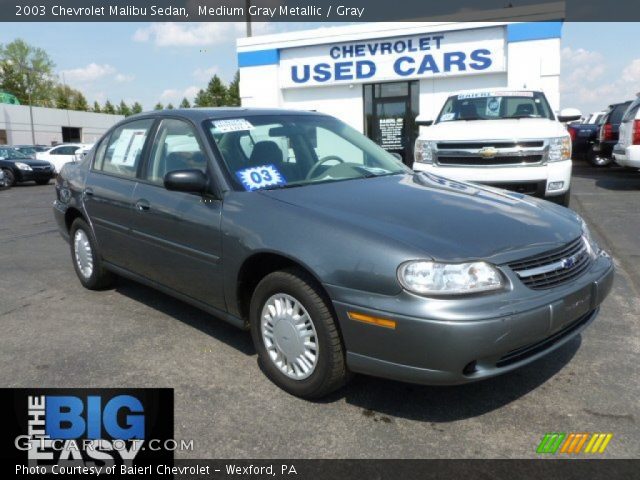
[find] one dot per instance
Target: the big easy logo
(107, 426)
(460, 52)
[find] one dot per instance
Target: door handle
(142, 205)
(87, 192)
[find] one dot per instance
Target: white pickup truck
(501, 137)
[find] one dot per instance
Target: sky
(164, 62)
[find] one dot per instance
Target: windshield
(280, 151)
(12, 153)
(495, 106)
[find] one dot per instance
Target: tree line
(27, 72)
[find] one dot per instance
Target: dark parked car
(18, 167)
(334, 254)
(601, 153)
(585, 135)
(4, 181)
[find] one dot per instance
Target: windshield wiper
(281, 187)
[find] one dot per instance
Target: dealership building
(380, 77)
(19, 125)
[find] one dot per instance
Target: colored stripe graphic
(550, 443)
(572, 443)
(598, 443)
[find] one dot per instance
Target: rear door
(177, 238)
(626, 127)
(109, 189)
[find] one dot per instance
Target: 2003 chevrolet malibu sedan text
(334, 254)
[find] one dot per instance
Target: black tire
(43, 182)
(330, 372)
(99, 278)
(598, 161)
(563, 199)
(9, 176)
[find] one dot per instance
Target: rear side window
(618, 112)
(123, 150)
(632, 112)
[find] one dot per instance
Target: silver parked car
(336, 256)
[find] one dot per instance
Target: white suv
(501, 137)
(627, 151)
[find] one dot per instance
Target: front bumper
(453, 341)
(532, 179)
(34, 175)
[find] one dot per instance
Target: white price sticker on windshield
(447, 116)
(260, 177)
(232, 125)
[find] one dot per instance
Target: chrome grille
(555, 267)
(490, 153)
(502, 160)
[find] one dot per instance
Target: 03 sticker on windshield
(262, 176)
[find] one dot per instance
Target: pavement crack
(617, 416)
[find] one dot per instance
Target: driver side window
(176, 147)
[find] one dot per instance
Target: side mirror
(569, 115)
(191, 181)
(424, 123)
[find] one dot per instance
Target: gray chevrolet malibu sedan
(336, 256)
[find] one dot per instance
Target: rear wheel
(597, 160)
(86, 259)
(9, 177)
(296, 335)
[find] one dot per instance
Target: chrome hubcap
(82, 251)
(289, 336)
(601, 160)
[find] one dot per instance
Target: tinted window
(632, 112)
(176, 147)
(65, 150)
(124, 150)
(618, 112)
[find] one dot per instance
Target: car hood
(29, 161)
(469, 130)
(445, 219)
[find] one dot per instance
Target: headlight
(560, 148)
(423, 151)
(22, 166)
(433, 278)
(592, 245)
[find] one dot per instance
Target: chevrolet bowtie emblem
(488, 152)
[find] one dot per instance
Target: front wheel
(9, 177)
(296, 335)
(86, 259)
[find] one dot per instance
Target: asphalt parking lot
(57, 334)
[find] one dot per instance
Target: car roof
(494, 89)
(199, 114)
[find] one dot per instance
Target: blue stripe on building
(257, 58)
(522, 32)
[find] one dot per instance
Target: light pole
(33, 131)
(247, 17)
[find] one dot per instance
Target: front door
(390, 116)
(176, 235)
